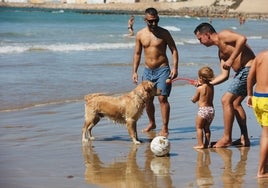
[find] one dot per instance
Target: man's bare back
(261, 69)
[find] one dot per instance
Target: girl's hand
(197, 83)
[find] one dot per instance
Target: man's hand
(135, 78)
(227, 64)
(173, 74)
(249, 101)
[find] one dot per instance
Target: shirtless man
(259, 101)
(236, 54)
(155, 40)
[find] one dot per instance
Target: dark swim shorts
(159, 77)
(239, 83)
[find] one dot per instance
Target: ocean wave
(254, 37)
(61, 47)
(191, 41)
(35, 105)
(233, 28)
(172, 28)
(179, 43)
(57, 11)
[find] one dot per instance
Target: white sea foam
(234, 28)
(254, 37)
(191, 41)
(179, 43)
(63, 47)
(172, 28)
(58, 11)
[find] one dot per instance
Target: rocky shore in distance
(173, 8)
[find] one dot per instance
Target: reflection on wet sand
(127, 172)
(262, 182)
(203, 173)
(233, 177)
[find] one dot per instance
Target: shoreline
(171, 9)
(42, 147)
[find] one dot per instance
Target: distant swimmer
(130, 25)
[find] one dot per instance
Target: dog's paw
(137, 142)
(91, 138)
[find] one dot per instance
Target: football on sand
(160, 146)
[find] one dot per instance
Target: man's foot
(211, 145)
(222, 144)
(262, 175)
(163, 133)
(241, 143)
(149, 128)
(199, 147)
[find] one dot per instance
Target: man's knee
(228, 99)
(163, 99)
(225, 101)
(238, 102)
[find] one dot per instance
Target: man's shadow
(233, 175)
(230, 175)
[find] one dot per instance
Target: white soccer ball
(160, 146)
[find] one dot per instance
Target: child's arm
(195, 98)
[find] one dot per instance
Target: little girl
(204, 96)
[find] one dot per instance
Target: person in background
(204, 96)
(154, 40)
(259, 101)
(130, 25)
(233, 53)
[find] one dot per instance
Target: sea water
(50, 56)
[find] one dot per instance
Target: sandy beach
(51, 155)
(204, 8)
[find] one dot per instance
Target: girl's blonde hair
(206, 74)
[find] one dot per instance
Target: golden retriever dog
(124, 109)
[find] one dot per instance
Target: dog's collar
(142, 98)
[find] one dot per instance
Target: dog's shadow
(125, 171)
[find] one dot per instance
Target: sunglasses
(150, 22)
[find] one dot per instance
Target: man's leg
(228, 119)
(165, 112)
(150, 109)
(241, 118)
(262, 170)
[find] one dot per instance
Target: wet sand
(41, 147)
